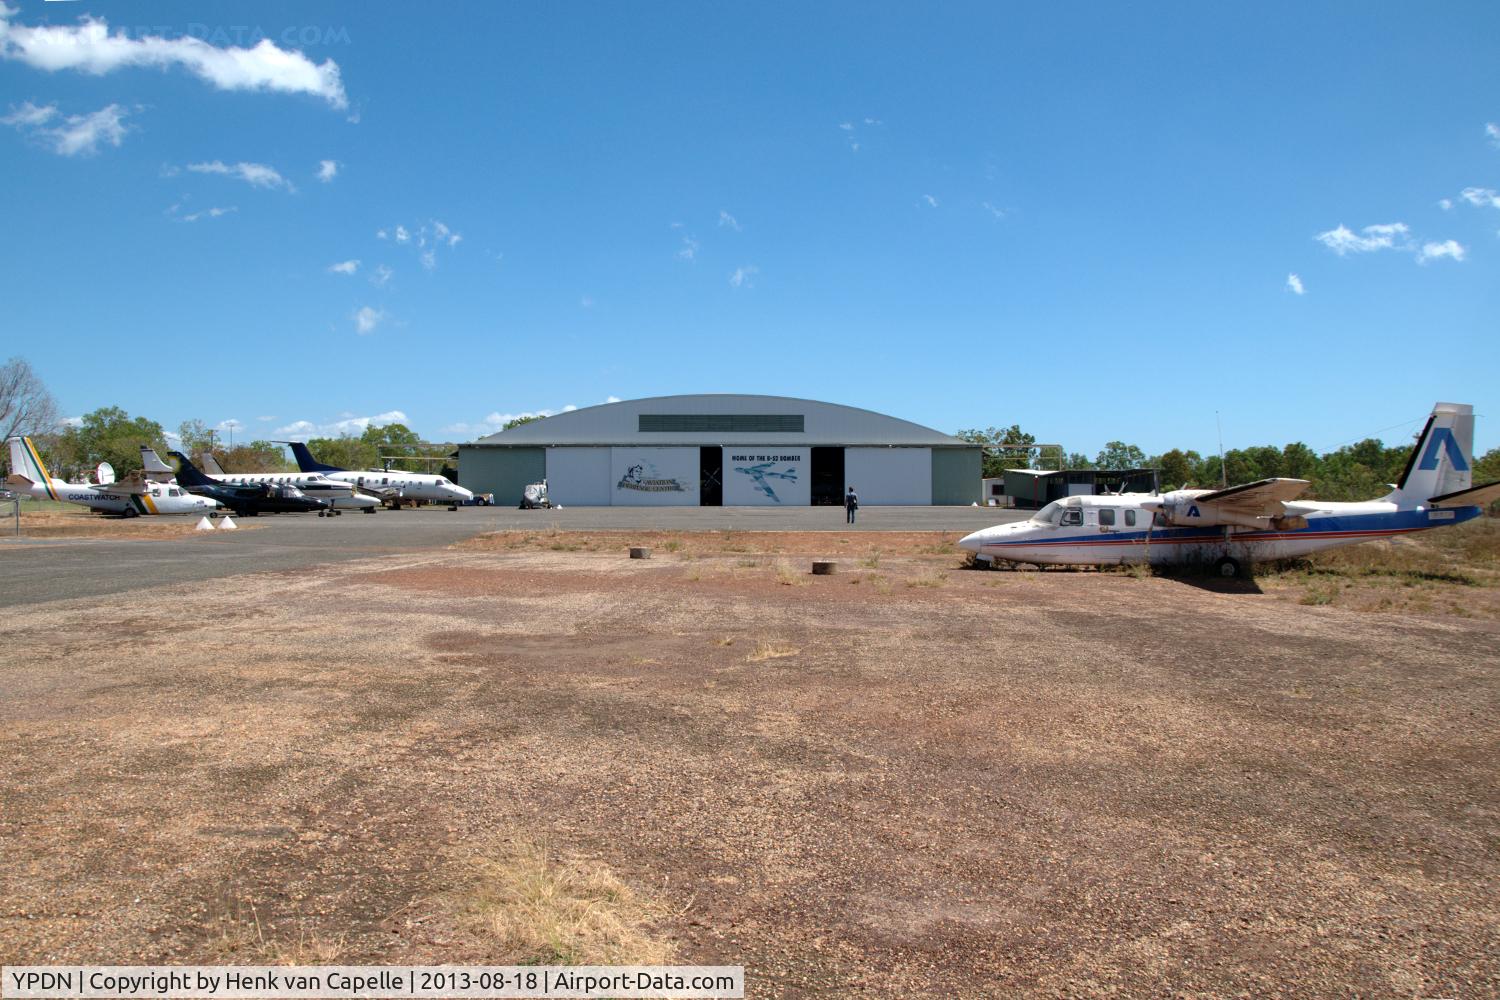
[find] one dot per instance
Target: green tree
(346, 452)
(524, 419)
(394, 441)
(1119, 455)
(1298, 461)
(26, 407)
(196, 437)
(257, 456)
(1178, 467)
(109, 434)
(1077, 460)
(1004, 448)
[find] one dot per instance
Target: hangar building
(723, 450)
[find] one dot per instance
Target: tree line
(109, 434)
(1358, 471)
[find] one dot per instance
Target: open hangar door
(890, 476)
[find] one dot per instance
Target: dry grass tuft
(546, 910)
(772, 651)
(928, 580)
(788, 577)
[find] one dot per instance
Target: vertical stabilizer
(210, 465)
(1442, 461)
(187, 472)
(156, 470)
(25, 462)
(305, 461)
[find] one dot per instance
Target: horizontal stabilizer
(16, 479)
(1478, 496)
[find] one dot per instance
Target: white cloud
(229, 426)
(847, 126)
(497, 421)
(931, 201)
(368, 318)
(1388, 236)
(873, 121)
(72, 421)
(587, 302)
(344, 267)
(1294, 285)
(1446, 204)
(1493, 131)
(327, 170)
(689, 249)
(1451, 249)
(207, 213)
(1482, 197)
(725, 219)
(744, 277)
(998, 213)
(75, 135)
(90, 47)
(347, 423)
(427, 239)
(254, 174)
(382, 276)
(265, 419)
(29, 115)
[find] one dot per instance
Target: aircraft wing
(135, 483)
(1261, 498)
(1478, 496)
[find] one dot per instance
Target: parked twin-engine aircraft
(133, 496)
(1255, 521)
(386, 484)
(340, 496)
(249, 500)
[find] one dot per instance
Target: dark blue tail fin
(305, 461)
(188, 473)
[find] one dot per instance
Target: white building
(723, 450)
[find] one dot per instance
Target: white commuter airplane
(1255, 521)
(340, 496)
(384, 483)
(132, 497)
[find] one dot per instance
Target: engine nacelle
(1182, 510)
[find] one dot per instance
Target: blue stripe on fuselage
(1332, 525)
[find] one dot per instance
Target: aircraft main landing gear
(1227, 568)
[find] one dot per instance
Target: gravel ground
(902, 779)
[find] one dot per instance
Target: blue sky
(1081, 218)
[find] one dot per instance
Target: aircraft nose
(461, 493)
(972, 542)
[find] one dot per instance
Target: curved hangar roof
(721, 419)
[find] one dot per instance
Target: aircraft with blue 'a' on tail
(1232, 527)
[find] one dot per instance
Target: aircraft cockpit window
(1048, 514)
(1071, 516)
(174, 491)
(1106, 516)
(1130, 519)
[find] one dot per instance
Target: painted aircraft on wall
(760, 473)
(1264, 520)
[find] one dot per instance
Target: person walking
(851, 504)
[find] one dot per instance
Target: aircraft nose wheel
(1227, 568)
